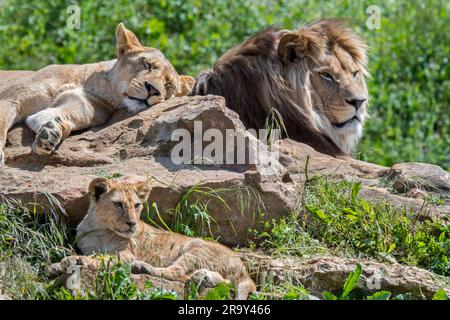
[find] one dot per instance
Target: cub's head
(330, 60)
(143, 76)
(117, 206)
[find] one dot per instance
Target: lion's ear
(98, 187)
(126, 41)
(186, 83)
(297, 45)
(143, 190)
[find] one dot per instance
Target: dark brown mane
(250, 77)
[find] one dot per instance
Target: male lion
(314, 77)
(59, 99)
(112, 226)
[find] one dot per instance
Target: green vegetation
(409, 54)
(343, 221)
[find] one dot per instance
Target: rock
(235, 194)
(329, 273)
(406, 176)
(294, 155)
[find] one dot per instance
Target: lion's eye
(147, 64)
(327, 76)
(118, 204)
(355, 73)
(137, 205)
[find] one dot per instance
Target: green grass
(39, 238)
(342, 220)
(338, 221)
(29, 242)
(409, 56)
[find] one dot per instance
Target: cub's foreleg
(73, 110)
(8, 115)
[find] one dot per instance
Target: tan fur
(59, 99)
(115, 229)
(289, 71)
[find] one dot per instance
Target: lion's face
(118, 205)
(332, 60)
(338, 93)
(143, 76)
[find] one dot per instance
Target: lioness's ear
(186, 84)
(298, 45)
(98, 187)
(126, 41)
(143, 190)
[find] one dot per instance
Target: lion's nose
(356, 102)
(131, 224)
(152, 91)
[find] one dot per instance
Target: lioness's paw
(47, 138)
(208, 278)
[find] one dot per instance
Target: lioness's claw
(47, 139)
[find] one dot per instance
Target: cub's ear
(126, 41)
(298, 45)
(143, 190)
(186, 83)
(98, 187)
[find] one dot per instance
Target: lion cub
(59, 99)
(112, 226)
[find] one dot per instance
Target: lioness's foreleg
(73, 110)
(8, 115)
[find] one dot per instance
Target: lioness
(112, 226)
(313, 76)
(59, 99)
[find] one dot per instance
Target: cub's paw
(207, 278)
(57, 269)
(140, 267)
(48, 138)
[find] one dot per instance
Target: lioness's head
(143, 76)
(329, 60)
(117, 205)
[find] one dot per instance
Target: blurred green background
(409, 56)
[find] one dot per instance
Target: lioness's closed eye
(60, 99)
(112, 226)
